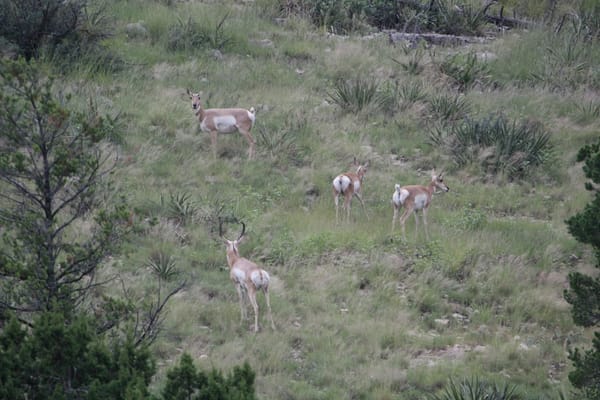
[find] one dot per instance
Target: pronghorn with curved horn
(349, 185)
(224, 120)
(415, 198)
(247, 277)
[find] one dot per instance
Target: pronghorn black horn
(243, 230)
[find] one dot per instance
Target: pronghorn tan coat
(415, 198)
(224, 120)
(349, 185)
(248, 278)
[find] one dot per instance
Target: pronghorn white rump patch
(260, 278)
(404, 195)
(396, 199)
(341, 183)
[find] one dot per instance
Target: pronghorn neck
(431, 188)
(200, 112)
(232, 254)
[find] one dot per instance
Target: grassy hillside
(360, 313)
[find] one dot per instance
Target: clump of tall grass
(499, 145)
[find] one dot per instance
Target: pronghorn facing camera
(415, 198)
(349, 185)
(247, 277)
(224, 120)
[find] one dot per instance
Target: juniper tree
(584, 290)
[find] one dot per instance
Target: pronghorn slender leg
(424, 211)
(242, 303)
(250, 140)
(394, 218)
(213, 142)
(252, 297)
(347, 206)
(417, 224)
(266, 292)
(403, 218)
(359, 196)
(337, 201)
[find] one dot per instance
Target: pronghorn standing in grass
(349, 185)
(247, 277)
(415, 198)
(224, 120)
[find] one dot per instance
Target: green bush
(185, 382)
(62, 357)
(61, 28)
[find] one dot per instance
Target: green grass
(360, 313)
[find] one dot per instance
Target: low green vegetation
(479, 311)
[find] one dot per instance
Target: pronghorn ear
(354, 162)
(367, 164)
(187, 90)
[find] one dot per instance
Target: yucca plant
(163, 265)
(449, 107)
(587, 112)
(465, 70)
(474, 389)
(412, 92)
(414, 65)
(354, 95)
(179, 207)
(498, 144)
(190, 34)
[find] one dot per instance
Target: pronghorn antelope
(349, 185)
(247, 277)
(224, 120)
(415, 198)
